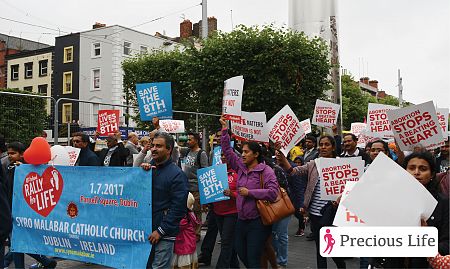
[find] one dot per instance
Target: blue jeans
(250, 239)
(280, 240)
(161, 255)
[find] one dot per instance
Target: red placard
(108, 122)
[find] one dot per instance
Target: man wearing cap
(116, 154)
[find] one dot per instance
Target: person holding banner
(5, 217)
(87, 157)
(116, 154)
(15, 155)
(169, 190)
(422, 166)
(226, 217)
(251, 235)
(320, 211)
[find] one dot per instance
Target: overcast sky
(377, 37)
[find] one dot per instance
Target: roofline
(30, 53)
(116, 25)
(29, 40)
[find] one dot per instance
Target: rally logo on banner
(416, 126)
(232, 98)
(155, 100)
(103, 221)
(377, 120)
(325, 113)
(251, 127)
(212, 181)
(285, 128)
(172, 126)
(108, 122)
(334, 173)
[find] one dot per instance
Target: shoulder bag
(272, 212)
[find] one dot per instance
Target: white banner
(357, 127)
(334, 173)
(442, 115)
(232, 97)
(251, 127)
(306, 126)
(325, 113)
(386, 189)
(416, 126)
(377, 121)
(172, 126)
(345, 217)
(73, 154)
(285, 127)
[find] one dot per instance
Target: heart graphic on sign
(42, 193)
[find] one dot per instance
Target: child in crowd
(15, 155)
(185, 255)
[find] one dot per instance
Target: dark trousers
(250, 239)
(301, 219)
(228, 256)
(210, 238)
(2, 252)
(321, 261)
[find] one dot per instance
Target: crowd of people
(256, 171)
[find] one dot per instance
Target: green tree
(21, 118)
(354, 101)
(279, 67)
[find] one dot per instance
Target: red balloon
(38, 152)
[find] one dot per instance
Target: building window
(29, 70)
(67, 113)
(96, 50)
(67, 82)
(28, 88)
(43, 68)
(15, 72)
(143, 50)
(42, 89)
(96, 79)
(68, 54)
(127, 48)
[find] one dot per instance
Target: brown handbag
(271, 212)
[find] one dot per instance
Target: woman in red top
(226, 217)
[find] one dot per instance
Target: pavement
(301, 254)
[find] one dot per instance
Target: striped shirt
(316, 203)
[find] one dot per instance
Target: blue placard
(212, 181)
(217, 155)
(99, 215)
(155, 99)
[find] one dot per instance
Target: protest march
(248, 182)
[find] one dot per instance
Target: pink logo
(329, 240)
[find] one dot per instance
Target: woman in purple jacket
(251, 234)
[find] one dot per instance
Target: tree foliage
(21, 118)
(279, 67)
(355, 101)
